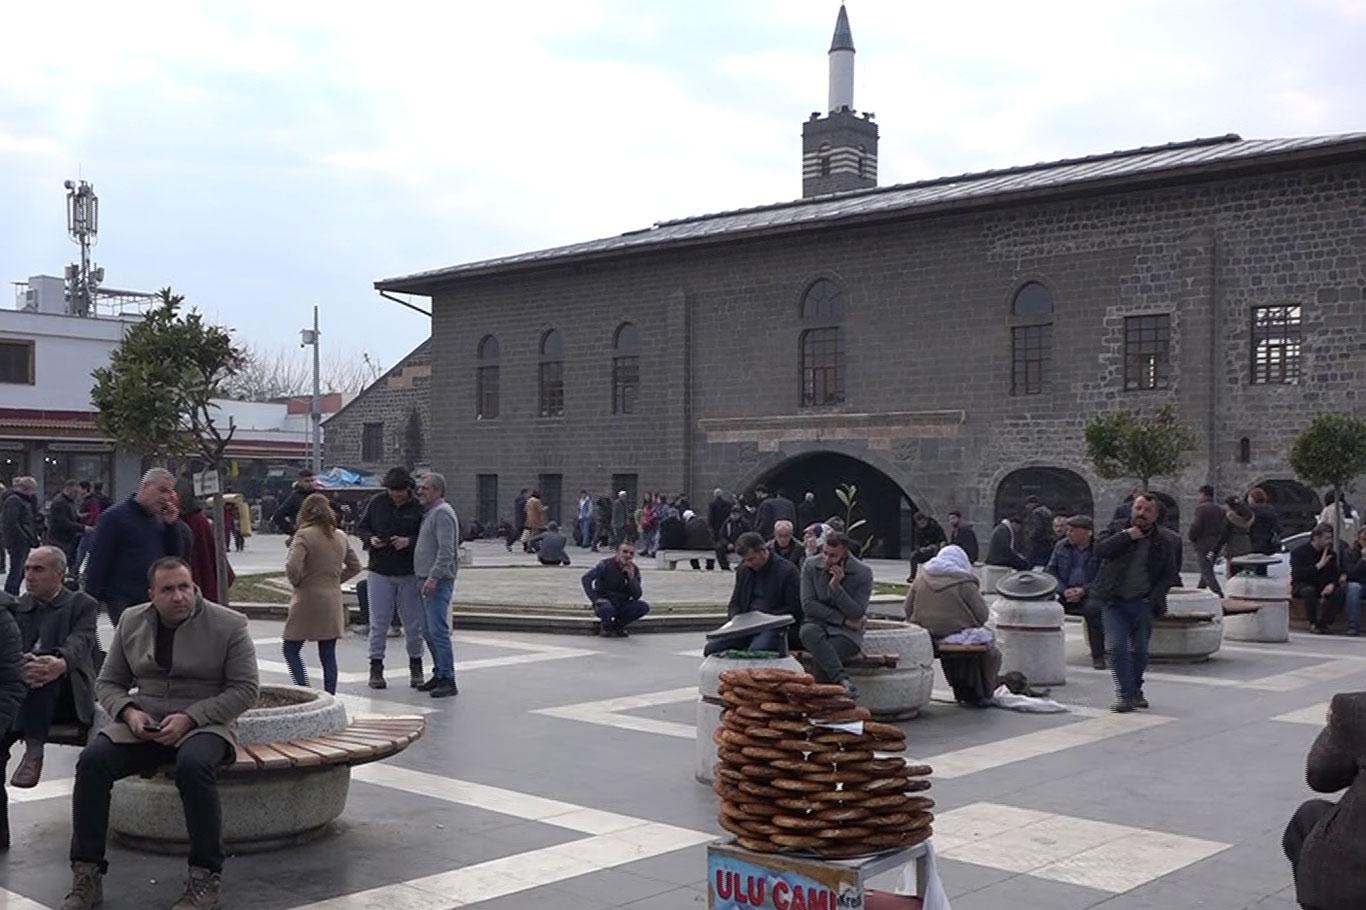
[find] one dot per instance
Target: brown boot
(29, 772)
(87, 887)
(201, 891)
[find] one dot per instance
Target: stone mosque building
(940, 343)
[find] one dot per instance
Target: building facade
(387, 423)
(941, 344)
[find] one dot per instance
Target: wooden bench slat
(299, 757)
(331, 753)
(267, 757)
(406, 718)
(355, 749)
(961, 649)
(386, 725)
(243, 762)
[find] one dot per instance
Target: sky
(263, 157)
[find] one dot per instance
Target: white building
(47, 423)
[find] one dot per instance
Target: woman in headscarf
(946, 598)
(813, 539)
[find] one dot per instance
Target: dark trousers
(1306, 817)
(723, 556)
(197, 763)
(617, 616)
(327, 656)
(1093, 616)
(697, 564)
(1319, 610)
(40, 707)
(828, 652)
(115, 606)
(1128, 627)
(1207, 578)
(18, 553)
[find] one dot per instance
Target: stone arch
(1297, 505)
(1063, 491)
(881, 498)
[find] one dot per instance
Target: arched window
(625, 368)
(486, 380)
(551, 375)
(1031, 338)
(1244, 450)
(822, 345)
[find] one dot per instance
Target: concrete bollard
(1256, 605)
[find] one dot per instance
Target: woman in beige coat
(320, 559)
(945, 598)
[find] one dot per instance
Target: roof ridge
(1199, 142)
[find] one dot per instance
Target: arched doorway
(1064, 492)
(1297, 505)
(879, 499)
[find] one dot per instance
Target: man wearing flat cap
(1074, 564)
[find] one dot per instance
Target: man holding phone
(1137, 569)
(193, 666)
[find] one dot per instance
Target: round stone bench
(288, 782)
(895, 692)
(1256, 605)
(1191, 631)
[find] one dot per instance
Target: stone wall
(927, 334)
(389, 401)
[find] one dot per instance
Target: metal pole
(317, 400)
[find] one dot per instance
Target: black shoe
(377, 680)
(429, 685)
(414, 672)
(444, 688)
(622, 633)
(1318, 630)
(1352, 631)
(1140, 702)
(1123, 706)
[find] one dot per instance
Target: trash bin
(1028, 625)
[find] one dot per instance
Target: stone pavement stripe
(614, 840)
(48, 789)
(605, 712)
(399, 666)
(987, 756)
(1313, 716)
(11, 901)
(1306, 676)
(1077, 851)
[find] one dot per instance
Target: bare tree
(275, 373)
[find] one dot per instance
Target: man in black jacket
(1205, 531)
(764, 583)
(1003, 548)
(389, 531)
(962, 534)
(613, 588)
(286, 517)
(1318, 578)
(19, 528)
(927, 536)
(773, 509)
(64, 525)
(1265, 532)
(717, 512)
(1137, 569)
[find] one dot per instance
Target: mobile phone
(153, 727)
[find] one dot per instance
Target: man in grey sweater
(436, 563)
(835, 594)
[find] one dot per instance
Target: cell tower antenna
(83, 224)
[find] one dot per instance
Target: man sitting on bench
(193, 665)
(764, 583)
(58, 640)
(836, 588)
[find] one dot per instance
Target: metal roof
(1135, 165)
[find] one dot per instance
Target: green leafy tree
(156, 395)
(1124, 444)
(1331, 452)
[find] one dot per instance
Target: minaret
(839, 150)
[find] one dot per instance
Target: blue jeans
(18, 554)
(1128, 626)
(585, 532)
(769, 640)
(436, 627)
(327, 655)
(1353, 604)
(82, 549)
(616, 617)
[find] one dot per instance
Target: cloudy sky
(263, 157)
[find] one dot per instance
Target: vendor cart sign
(740, 880)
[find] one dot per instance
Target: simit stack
(788, 784)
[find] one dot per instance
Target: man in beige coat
(193, 666)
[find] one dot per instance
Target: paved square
(563, 776)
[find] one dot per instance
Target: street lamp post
(311, 337)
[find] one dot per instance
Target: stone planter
(900, 692)
(1185, 634)
(261, 811)
(1266, 598)
(1027, 620)
(709, 702)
